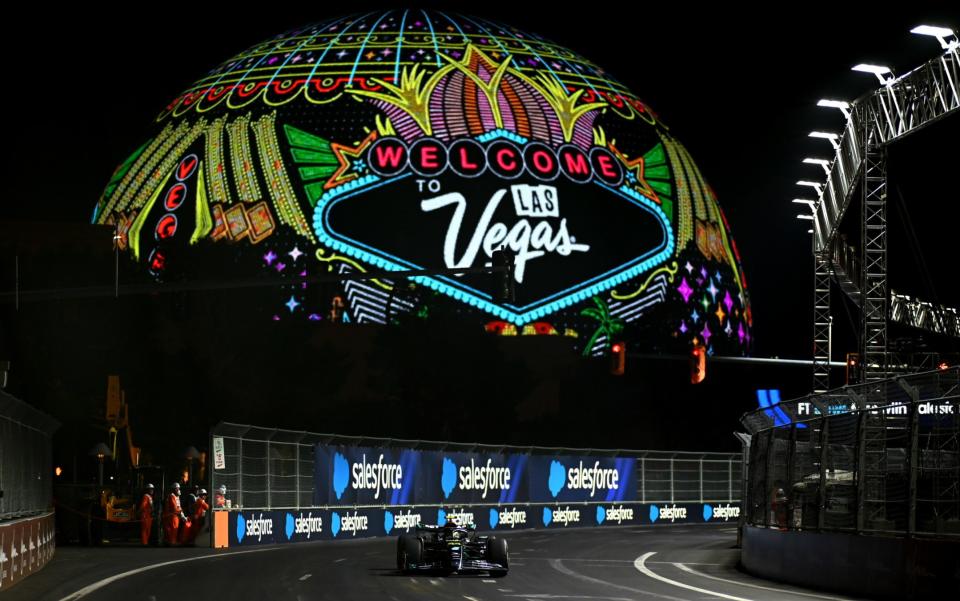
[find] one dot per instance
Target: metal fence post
(643, 479)
(822, 489)
(914, 468)
(240, 470)
(701, 479)
(297, 472)
(861, 470)
(671, 480)
(730, 479)
(269, 485)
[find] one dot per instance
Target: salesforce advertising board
(394, 476)
(248, 528)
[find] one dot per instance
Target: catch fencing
(282, 483)
(26, 481)
(881, 457)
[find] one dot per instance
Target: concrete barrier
(26, 545)
(875, 566)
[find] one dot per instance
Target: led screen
(421, 140)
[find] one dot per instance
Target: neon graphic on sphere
(499, 137)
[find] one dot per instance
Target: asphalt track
(610, 564)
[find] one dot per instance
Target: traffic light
(504, 288)
(853, 368)
(618, 358)
(698, 364)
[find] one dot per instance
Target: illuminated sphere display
(420, 140)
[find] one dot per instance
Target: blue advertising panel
(367, 476)
(573, 478)
(457, 478)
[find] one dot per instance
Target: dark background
(737, 87)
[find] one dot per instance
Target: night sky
(739, 89)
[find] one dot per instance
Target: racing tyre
(409, 551)
(497, 553)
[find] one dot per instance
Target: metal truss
(873, 332)
(822, 319)
(923, 315)
(898, 108)
(901, 107)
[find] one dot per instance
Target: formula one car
(452, 548)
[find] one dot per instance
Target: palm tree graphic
(607, 326)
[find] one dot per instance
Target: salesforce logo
(441, 517)
(579, 477)
(507, 517)
(306, 526)
(377, 476)
(671, 513)
(448, 478)
(557, 477)
(348, 523)
(618, 514)
(400, 521)
(341, 474)
(485, 477)
(591, 478)
(560, 516)
(254, 527)
(289, 526)
(721, 512)
(241, 527)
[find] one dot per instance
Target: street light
(822, 162)
(941, 33)
(879, 70)
(836, 104)
(826, 136)
(816, 186)
(101, 452)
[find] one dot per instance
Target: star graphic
(386, 52)
(728, 329)
(706, 333)
(341, 54)
(683, 327)
(292, 304)
(685, 290)
(370, 55)
(688, 267)
(270, 257)
(720, 314)
(740, 333)
(636, 167)
(705, 303)
(345, 156)
(713, 290)
(728, 301)
(296, 253)
(280, 266)
(695, 317)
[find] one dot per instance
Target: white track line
(99, 584)
(766, 588)
(304, 577)
(557, 564)
(640, 564)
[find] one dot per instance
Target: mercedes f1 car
(452, 548)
